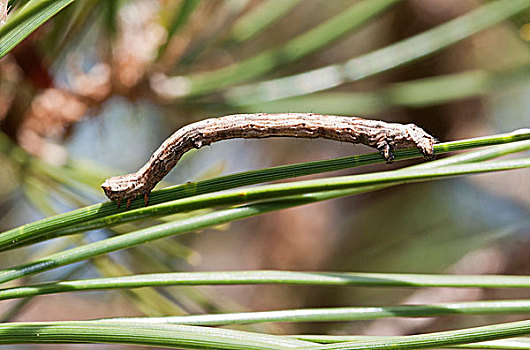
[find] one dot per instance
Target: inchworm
(383, 136)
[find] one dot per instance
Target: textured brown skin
(381, 135)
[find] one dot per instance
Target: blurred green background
(93, 92)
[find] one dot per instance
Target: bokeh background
(93, 93)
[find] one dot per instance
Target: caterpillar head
(122, 187)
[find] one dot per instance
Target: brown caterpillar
(381, 135)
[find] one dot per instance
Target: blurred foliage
(79, 78)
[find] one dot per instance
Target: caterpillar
(378, 134)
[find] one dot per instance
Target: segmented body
(381, 135)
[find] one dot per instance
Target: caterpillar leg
(386, 151)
